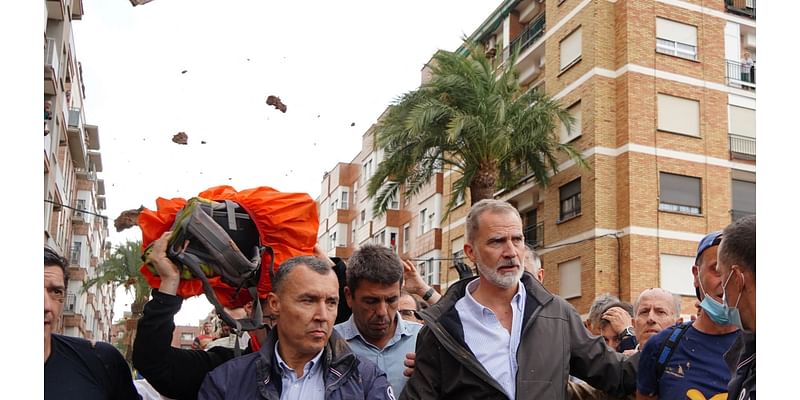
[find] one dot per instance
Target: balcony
(745, 8)
(51, 67)
(740, 76)
(55, 9)
(528, 37)
(534, 235)
(77, 141)
(742, 147)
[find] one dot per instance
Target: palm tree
(475, 120)
(122, 268)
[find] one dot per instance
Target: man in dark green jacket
(502, 334)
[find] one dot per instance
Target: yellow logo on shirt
(694, 394)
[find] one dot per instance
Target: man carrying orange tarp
(185, 256)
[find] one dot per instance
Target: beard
(504, 280)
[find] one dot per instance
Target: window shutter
(676, 114)
(676, 31)
(570, 48)
(682, 190)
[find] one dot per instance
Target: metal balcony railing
(51, 55)
(742, 145)
(532, 32)
(740, 75)
(534, 235)
(745, 8)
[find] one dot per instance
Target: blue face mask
(734, 317)
(720, 313)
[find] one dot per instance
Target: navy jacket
(257, 375)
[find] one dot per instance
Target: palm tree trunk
(131, 324)
(484, 184)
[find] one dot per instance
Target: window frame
(674, 207)
(574, 199)
(672, 47)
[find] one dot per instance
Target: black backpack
(222, 241)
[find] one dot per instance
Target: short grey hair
(491, 205)
(676, 300)
(600, 304)
(534, 256)
(313, 263)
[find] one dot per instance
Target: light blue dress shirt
(492, 344)
(390, 358)
(310, 386)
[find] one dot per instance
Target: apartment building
(411, 226)
(74, 196)
(663, 95)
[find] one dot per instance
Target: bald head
(654, 310)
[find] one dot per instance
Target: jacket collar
(337, 362)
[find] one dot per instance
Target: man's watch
(428, 294)
(626, 332)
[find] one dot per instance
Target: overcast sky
(333, 63)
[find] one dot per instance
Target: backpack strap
(668, 347)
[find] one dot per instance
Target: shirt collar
(349, 330)
(310, 366)
(480, 309)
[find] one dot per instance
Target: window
(332, 244)
(393, 241)
(575, 131)
(394, 204)
(570, 49)
(75, 253)
(675, 38)
(380, 238)
(676, 274)
(187, 336)
(743, 195)
(429, 270)
(679, 193)
(334, 206)
(459, 198)
(363, 217)
(366, 171)
(570, 197)
(423, 221)
(678, 115)
(344, 199)
(406, 237)
(569, 279)
(741, 121)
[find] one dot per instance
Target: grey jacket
(256, 375)
(553, 344)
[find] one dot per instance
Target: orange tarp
(287, 222)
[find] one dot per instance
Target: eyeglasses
(409, 313)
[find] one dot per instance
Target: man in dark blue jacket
(302, 358)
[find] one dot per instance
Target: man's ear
(273, 304)
(348, 297)
(469, 251)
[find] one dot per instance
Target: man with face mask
(685, 361)
(737, 264)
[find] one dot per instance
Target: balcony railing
(745, 8)
(532, 32)
(534, 235)
(743, 145)
(740, 75)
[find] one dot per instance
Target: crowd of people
(372, 328)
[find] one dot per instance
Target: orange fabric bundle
(287, 222)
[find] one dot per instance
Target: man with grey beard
(502, 334)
